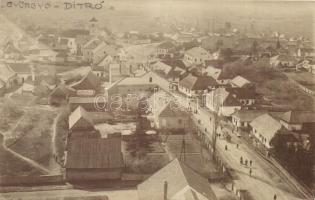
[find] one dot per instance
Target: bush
(61, 133)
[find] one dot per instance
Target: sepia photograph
(157, 100)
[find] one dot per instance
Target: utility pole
(183, 148)
(214, 135)
(216, 100)
(183, 151)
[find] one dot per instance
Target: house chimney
(165, 190)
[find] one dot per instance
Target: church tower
(93, 26)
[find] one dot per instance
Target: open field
(10, 113)
(23, 99)
(12, 166)
(272, 84)
(32, 138)
(304, 78)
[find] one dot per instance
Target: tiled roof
(63, 41)
(230, 100)
(78, 114)
(225, 74)
(298, 117)
(10, 48)
(181, 180)
(225, 98)
(166, 45)
(214, 63)
(92, 44)
(213, 72)
(197, 83)
(239, 81)
(167, 71)
(94, 153)
(173, 110)
(88, 80)
(285, 58)
(248, 115)
(20, 68)
(138, 80)
(266, 125)
(176, 73)
(6, 72)
(196, 51)
(243, 93)
(175, 63)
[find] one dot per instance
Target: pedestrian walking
(250, 172)
(241, 160)
(237, 146)
(275, 197)
(226, 148)
(246, 161)
(250, 163)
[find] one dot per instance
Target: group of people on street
(247, 163)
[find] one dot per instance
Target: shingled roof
(240, 81)
(89, 81)
(20, 68)
(267, 125)
(243, 93)
(79, 115)
(175, 63)
(94, 153)
(172, 110)
(166, 45)
(63, 90)
(182, 183)
(197, 51)
(197, 83)
(298, 117)
(248, 115)
(6, 72)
